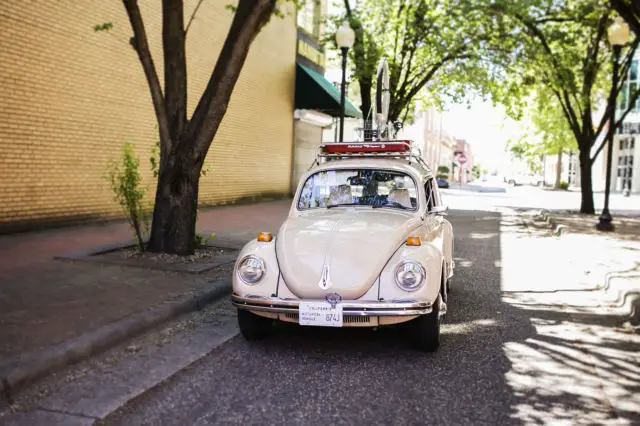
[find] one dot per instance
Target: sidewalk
(45, 301)
(577, 270)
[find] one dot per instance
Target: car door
(432, 220)
(445, 229)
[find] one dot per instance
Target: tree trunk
(176, 208)
(558, 170)
(586, 185)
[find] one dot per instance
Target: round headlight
(410, 275)
(251, 269)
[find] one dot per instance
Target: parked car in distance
(524, 179)
(366, 244)
(443, 183)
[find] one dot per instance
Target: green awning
(313, 91)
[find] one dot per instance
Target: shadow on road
(498, 364)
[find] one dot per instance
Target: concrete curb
(89, 255)
(25, 370)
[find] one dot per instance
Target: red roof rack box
(366, 147)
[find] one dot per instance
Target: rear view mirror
(440, 210)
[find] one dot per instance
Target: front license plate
(321, 314)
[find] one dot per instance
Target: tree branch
(552, 19)
(402, 100)
(175, 67)
(591, 59)
(626, 64)
(141, 46)
(347, 7)
(395, 42)
(618, 123)
(569, 115)
(249, 18)
(193, 15)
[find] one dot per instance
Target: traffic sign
(462, 159)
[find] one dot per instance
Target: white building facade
(625, 168)
(625, 165)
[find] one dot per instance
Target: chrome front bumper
(351, 307)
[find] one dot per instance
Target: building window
(629, 88)
(625, 164)
(309, 17)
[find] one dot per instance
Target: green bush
(564, 185)
(443, 170)
(125, 181)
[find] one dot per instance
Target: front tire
(424, 331)
(252, 326)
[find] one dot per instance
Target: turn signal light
(265, 237)
(414, 241)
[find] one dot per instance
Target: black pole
(605, 220)
(342, 90)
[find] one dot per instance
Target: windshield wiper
(393, 205)
(342, 205)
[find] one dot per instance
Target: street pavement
(498, 364)
(488, 195)
(514, 351)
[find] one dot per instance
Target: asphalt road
(498, 364)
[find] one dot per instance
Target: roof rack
(403, 149)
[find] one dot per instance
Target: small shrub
(443, 170)
(125, 181)
(564, 185)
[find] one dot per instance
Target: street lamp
(345, 37)
(618, 36)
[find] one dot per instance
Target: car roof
(402, 165)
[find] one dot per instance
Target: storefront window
(309, 17)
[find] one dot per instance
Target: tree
(477, 171)
(630, 12)
(564, 49)
(546, 133)
(443, 172)
(185, 141)
(553, 129)
(438, 45)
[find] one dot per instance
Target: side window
(436, 193)
(430, 194)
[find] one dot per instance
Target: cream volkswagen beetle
(366, 244)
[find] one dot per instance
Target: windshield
(360, 187)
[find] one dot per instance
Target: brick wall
(71, 96)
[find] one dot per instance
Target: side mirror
(440, 210)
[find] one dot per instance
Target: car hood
(340, 250)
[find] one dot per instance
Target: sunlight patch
(483, 235)
(485, 322)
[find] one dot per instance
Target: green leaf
(103, 27)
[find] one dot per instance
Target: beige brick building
(72, 96)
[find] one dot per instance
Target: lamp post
(345, 37)
(618, 34)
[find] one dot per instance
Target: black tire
(252, 326)
(424, 331)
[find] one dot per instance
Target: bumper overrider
(363, 308)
